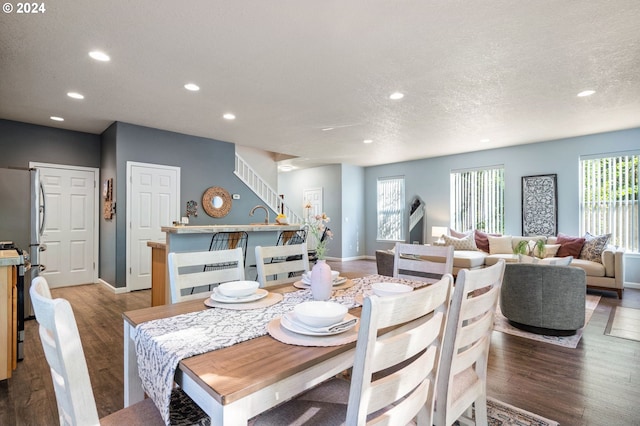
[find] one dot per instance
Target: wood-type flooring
(598, 383)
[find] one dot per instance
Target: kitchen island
(186, 238)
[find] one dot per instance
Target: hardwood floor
(598, 383)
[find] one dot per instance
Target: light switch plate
(236, 196)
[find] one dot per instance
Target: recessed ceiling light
(396, 95)
(192, 87)
(368, 141)
(586, 93)
(229, 116)
(99, 56)
(326, 129)
(485, 140)
(286, 168)
(54, 118)
(75, 95)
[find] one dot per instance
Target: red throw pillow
(482, 240)
(569, 246)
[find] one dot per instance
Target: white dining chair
(394, 374)
(422, 262)
(72, 386)
(293, 258)
(191, 276)
(463, 373)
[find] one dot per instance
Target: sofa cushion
(557, 261)
(456, 234)
(569, 246)
(594, 246)
(593, 269)
(550, 250)
(500, 245)
(468, 259)
(482, 242)
(465, 243)
(492, 259)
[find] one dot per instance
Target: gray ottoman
(544, 299)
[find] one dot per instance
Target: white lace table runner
(161, 344)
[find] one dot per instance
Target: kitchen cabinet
(9, 259)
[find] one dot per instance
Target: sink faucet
(266, 220)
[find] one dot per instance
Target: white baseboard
(115, 290)
(632, 285)
(347, 259)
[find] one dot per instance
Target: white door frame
(130, 165)
(96, 206)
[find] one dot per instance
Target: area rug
(502, 324)
(623, 323)
(501, 414)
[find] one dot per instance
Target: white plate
(289, 322)
(259, 294)
(338, 281)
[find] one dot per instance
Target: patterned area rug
(501, 414)
(502, 324)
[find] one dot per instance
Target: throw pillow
(569, 246)
(482, 240)
(593, 247)
(457, 234)
(550, 250)
(465, 243)
(565, 261)
(500, 245)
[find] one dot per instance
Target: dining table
(227, 359)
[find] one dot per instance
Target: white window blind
(477, 200)
(391, 209)
(609, 198)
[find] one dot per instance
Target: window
(391, 209)
(609, 198)
(477, 200)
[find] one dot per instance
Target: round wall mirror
(216, 201)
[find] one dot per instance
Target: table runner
(161, 344)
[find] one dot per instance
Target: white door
(312, 197)
(153, 196)
(70, 224)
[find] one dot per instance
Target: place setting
(339, 283)
(241, 295)
(315, 323)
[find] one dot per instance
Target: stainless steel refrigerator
(22, 214)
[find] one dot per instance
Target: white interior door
(70, 226)
(153, 201)
(312, 197)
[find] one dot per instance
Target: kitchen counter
(9, 258)
(210, 229)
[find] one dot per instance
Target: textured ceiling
(507, 71)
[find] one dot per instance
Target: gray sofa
(544, 299)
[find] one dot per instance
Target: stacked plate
(335, 275)
(238, 292)
(318, 319)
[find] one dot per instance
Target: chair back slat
(420, 262)
(292, 259)
(190, 278)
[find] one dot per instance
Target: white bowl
(390, 289)
(334, 275)
(238, 288)
(320, 314)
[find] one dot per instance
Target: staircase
(267, 194)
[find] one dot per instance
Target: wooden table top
(231, 373)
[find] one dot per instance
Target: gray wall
(203, 163)
(292, 184)
(353, 216)
(21, 143)
(108, 227)
(429, 178)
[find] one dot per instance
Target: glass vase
(321, 281)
